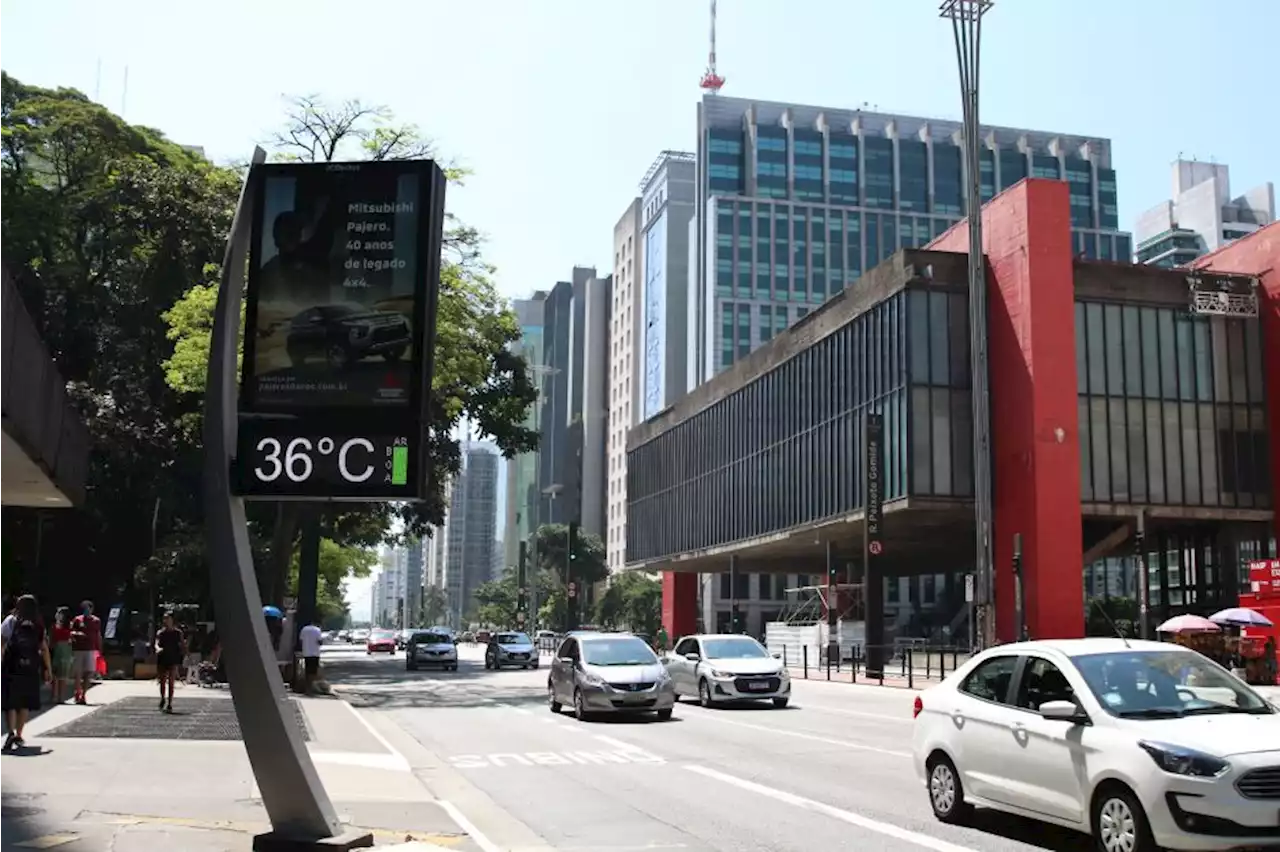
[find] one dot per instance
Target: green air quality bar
(399, 465)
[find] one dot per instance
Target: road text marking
(851, 818)
(801, 736)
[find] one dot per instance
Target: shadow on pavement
(1030, 832)
(381, 684)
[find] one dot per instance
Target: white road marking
(904, 720)
(377, 736)
(390, 762)
(887, 829)
(528, 759)
(469, 827)
(798, 735)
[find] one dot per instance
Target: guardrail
(883, 665)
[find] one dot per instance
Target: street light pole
(966, 25)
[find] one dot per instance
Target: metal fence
(899, 665)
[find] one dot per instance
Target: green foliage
(337, 563)
(496, 601)
(589, 568)
(435, 604)
(634, 601)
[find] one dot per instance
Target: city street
(832, 771)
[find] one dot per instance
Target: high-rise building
(469, 529)
(523, 498)
(1200, 216)
(649, 321)
(796, 202)
(413, 565)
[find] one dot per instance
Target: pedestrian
(309, 638)
(60, 642)
(661, 640)
(86, 645)
(169, 644)
(24, 662)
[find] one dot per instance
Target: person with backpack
(24, 664)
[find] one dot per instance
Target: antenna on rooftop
(711, 81)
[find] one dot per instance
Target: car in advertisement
(341, 335)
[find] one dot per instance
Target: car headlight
(592, 680)
(1177, 760)
(722, 675)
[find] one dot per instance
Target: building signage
(344, 273)
(1264, 578)
(873, 485)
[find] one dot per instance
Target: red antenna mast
(711, 81)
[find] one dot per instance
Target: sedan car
(508, 648)
(381, 640)
(724, 668)
(429, 648)
(609, 673)
(1143, 745)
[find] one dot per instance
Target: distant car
(609, 673)
(431, 648)
(482, 636)
(508, 648)
(729, 667)
(381, 640)
(343, 335)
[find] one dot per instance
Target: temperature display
(276, 461)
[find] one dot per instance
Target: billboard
(339, 257)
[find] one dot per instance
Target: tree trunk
(276, 576)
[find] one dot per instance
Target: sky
(559, 106)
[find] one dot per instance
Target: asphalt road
(831, 771)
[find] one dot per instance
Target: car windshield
(383, 634)
(736, 648)
(628, 651)
(431, 639)
(513, 639)
(1165, 684)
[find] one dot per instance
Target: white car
(727, 667)
(1143, 745)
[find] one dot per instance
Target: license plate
(759, 685)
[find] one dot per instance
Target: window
(1042, 682)
(990, 680)
(686, 646)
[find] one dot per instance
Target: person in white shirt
(309, 639)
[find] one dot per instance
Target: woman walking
(24, 661)
(60, 642)
(168, 658)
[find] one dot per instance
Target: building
(522, 493)
(574, 416)
(1146, 401)
(798, 202)
(1201, 216)
(413, 577)
(625, 331)
(470, 530)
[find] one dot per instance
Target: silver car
(427, 648)
(609, 673)
(508, 648)
(728, 667)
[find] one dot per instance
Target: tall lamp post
(966, 25)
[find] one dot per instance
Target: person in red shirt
(86, 645)
(60, 648)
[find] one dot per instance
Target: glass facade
(783, 450)
(1172, 408)
(820, 209)
(941, 404)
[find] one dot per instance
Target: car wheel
(551, 699)
(337, 356)
(580, 706)
(410, 667)
(664, 715)
(704, 693)
(534, 667)
(946, 793)
(1119, 822)
(781, 703)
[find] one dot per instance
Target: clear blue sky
(560, 105)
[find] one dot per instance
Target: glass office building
(797, 202)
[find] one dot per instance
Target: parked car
(343, 334)
(609, 673)
(508, 648)
(431, 648)
(730, 667)
(1143, 745)
(381, 640)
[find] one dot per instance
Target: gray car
(609, 673)
(509, 648)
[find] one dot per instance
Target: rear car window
(990, 680)
(431, 639)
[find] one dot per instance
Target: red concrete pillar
(1259, 254)
(1034, 430)
(679, 605)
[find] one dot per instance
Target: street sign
(573, 590)
(340, 315)
(873, 484)
(875, 548)
(968, 588)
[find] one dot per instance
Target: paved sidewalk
(122, 789)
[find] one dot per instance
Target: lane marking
(531, 759)
(368, 760)
(887, 829)
(802, 736)
(377, 735)
(485, 844)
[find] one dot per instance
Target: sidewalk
(101, 777)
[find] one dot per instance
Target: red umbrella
(1188, 624)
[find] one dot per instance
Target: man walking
(86, 645)
(309, 639)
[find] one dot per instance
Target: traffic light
(572, 540)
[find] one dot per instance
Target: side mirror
(1063, 711)
(777, 655)
(693, 658)
(568, 661)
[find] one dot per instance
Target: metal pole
(295, 801)
(966, 24)
(833, 627)
(522, 595)
(1144, 587)
(733, 594)
(1019, 601)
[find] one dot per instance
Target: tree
(435, 605)
(589, 568)
(477, 376)
(337, 563)
(634, 601)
